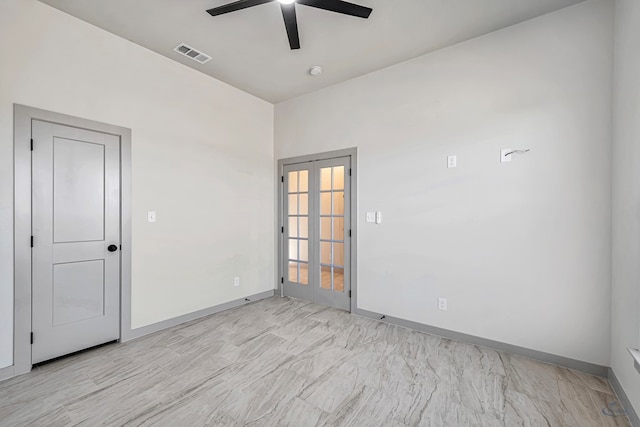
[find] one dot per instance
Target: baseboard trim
(175, 321)
(578, 365)
(624, 399)
(635, 354)
(6, 373)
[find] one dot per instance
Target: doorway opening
(72, 229)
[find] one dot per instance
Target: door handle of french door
(112, 248)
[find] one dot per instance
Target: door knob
(112, 248)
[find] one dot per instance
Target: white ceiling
(250, 49)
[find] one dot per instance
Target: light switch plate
(442, 304)
(151, 216)
(452, 161)
(503, 158)
(371, 217)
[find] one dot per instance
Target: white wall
(626, 199)
(202, 156)
(521, 250)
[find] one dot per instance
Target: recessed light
(286, 1)
(316, 70)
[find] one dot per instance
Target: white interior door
(76, 239)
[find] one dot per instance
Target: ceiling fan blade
(291, 22)
(236, 5)
(339, 7)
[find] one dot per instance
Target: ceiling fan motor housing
(289, 12)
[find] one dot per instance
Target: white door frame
(23, 117)
(348, 152)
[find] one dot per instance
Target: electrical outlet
(442, 304)
(452, 161)
(378, 217)
(236, 282)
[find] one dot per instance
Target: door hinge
(349, 171)
(282, 280)
(31, 144)
(31, 337)
(282, 179)
(349, 294)
(31, 241)
(282, 229)
(349, 233)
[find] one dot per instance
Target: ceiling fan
(289, 12)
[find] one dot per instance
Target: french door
(316, 217)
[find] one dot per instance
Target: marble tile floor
(285, 362)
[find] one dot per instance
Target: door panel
(297, 182)
(76, 215)
(316, 246)
(333, 271)
(78, 191)
(78, 291)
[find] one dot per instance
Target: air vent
(190, 52)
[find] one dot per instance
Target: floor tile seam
(583, 386)
(481, 414)
(361, 389)
(102, 387)
(275, 410)
(307, 378)
(107, 383)
(199, 386)
(579, 382)
(530, 395)
(150, 413)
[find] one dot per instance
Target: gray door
(298, 230)
(76, 232)
(317, 221)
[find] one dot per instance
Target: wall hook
(506, 154)
(516, 152)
